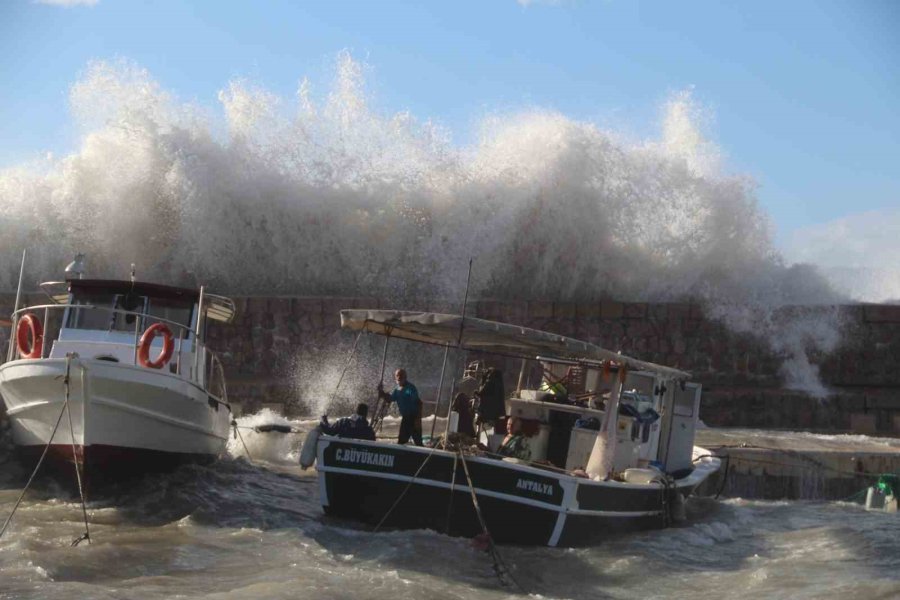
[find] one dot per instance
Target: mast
(462, 324)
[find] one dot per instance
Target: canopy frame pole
(381, 406)
(440, 389)
(521, 376)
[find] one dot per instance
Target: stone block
(513, 312)
(307, 306)
(660, 312)
(611, 310)
(446, 307)
(635, 310)
(335, 304)
(367, 303)
(863, 423)
(882, 313)
(488, 309)
(564, 310)
(540, 310)
(679, 311)
(280, 306)
(587, 310)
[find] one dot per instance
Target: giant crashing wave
(331, 197)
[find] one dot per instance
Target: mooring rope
(36, 469)
(452, 489)
(403, 493)
(502, 571)
(238, 435)
(78, 466)
(346, 366)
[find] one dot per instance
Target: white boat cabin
(107, 319)
(656, 422)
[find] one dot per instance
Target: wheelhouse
(109, 320)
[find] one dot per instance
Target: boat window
(91, 318)
(127, 303)
(176, 311)
(104, 315)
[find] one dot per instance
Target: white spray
(322, 197)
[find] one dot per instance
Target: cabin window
(127, 303)
(107, 312)
(91, 318)
(172, 311)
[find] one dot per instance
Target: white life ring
(310, 447)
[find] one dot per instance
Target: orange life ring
(147, 339)
(29, 323)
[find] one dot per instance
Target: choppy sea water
(238, 529)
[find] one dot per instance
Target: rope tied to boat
(237, 434)
(403, 493)
(86, 535)
(78, 465)
(500, 568)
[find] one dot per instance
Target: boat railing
(203, 374)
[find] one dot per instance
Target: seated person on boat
(514, 444)
(355, 426)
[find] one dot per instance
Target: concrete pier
(794, 465)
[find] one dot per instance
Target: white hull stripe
(562, 510)
(124, 408)
(157, 417)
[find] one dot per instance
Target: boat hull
(410, 487)
(121, 419)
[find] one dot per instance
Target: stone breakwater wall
(743, 386)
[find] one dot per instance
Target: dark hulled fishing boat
(577, 484)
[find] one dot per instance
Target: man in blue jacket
(406, 396)
(355, 426)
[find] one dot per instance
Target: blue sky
(804, 95)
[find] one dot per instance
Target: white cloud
(67, 3)
(860, 253)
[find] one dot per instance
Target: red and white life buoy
(147, 339)
(29, 323)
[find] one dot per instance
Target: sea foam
(325, 195)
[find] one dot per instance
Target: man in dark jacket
(355, 426)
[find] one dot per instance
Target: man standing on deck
(410, 406)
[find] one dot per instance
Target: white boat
(578, 481)
(116, 375)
